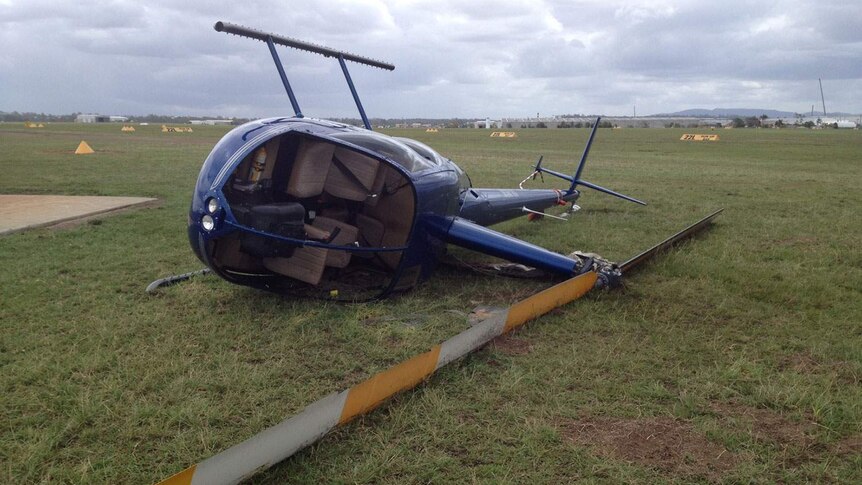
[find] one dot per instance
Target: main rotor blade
(281, 441)
(658, 248)
(242, 31)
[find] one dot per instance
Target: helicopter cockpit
(322, 213)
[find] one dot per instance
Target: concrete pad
(19, 212)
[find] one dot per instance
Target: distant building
(211, 122)
(92, 118)
(835, 123)
(486, 123)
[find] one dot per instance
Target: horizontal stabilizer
(609, 191)
(591, 185)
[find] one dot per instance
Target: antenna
(821, 96)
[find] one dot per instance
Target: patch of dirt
(352, 378)
(799, 362)
(393, 341)
(847, 373)
(516, 289)
(795, 438)
(511, 345)
(796, 241)
(407, 319)
(849, 446)
(804, 363)
(666, 444)
(767, 425)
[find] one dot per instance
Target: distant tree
(763, 116)
(605, 124)
(508, 125)
(644, 124)
(779, 124)
(579, 125)
(29, 116)
(541, 124)
(808, 124)
(752, 122)
(738, 123)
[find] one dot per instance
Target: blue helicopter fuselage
(280, 196)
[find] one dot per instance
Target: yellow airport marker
(84, 149)
(690, 137)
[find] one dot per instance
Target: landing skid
(172, 280)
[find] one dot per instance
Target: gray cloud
(467, 59)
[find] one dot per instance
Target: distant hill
(729, 113)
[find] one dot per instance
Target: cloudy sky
(453, 57)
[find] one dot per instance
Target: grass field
(736, 358)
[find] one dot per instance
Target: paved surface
(19, 212)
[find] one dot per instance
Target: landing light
(208, 222)
(212, 205)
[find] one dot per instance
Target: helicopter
(315, 207)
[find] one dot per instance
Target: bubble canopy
(394, 149)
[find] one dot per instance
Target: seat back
(310, 168)
(351, 175)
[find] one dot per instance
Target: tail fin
(584, 156)
(577, 180)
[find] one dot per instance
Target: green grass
(101, 383)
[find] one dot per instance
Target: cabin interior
(304, 187)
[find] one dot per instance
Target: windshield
(388, 147)
(423, 150)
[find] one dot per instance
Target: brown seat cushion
(310, 168)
